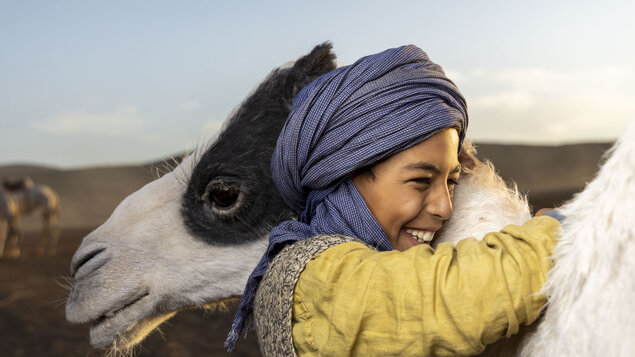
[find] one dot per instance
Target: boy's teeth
(421, 236)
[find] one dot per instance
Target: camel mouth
(139, 330)
(112, 313)
(134, 334)
(109, 332)
(114, 327)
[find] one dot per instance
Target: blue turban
(347, 119)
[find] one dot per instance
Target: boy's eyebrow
(430, 167)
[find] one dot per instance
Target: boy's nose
(440, 203)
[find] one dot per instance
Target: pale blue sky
(86, 83)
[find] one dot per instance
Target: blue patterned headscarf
(348, 119)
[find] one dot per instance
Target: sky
(93, 83)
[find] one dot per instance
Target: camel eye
(223, 197)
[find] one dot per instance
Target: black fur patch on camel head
(231, 198)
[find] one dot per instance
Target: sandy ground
(32, 322)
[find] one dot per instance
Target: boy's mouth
(421, 236)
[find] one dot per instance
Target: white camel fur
(190, 239)
(591, 289)
(21, 198)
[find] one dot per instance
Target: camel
(210, 216)
(191, 238)
(21, 197)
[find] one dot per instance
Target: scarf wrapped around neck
(345, 120)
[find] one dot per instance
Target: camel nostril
(84, 259)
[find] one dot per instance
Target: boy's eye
(452, 183)
(428, 180)
(421, 180)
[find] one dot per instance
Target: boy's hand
(543, 211)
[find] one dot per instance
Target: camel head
(192, 237)
(19, 184)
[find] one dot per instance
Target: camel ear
(318, 62)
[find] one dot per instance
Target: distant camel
(20, 197)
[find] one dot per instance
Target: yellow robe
(351, 300)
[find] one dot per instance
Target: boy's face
(411, 192)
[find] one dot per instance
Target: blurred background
(93, 93)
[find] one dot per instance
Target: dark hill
(549, 174)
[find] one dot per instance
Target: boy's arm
(351, 300)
